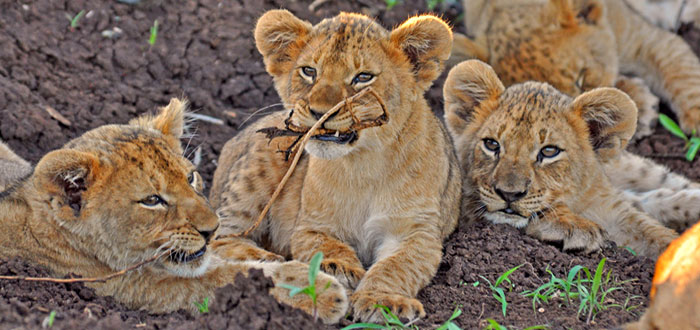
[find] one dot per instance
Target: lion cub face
(529, 147)
(128, 194)
(316, 67)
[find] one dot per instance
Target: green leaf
(76, 19)
(364, 326)
(315, 267)
(391, 3)
(671, 126)
(693, 150)
(52, 317)
(154, 33)
(452, 326)
(448, 324)
(505, 275)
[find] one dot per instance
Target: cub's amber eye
(549, 152)
(492, 145)
(190, 177)
(309, 72)
(153, 200)
(362, 77)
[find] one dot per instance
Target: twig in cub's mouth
(298, 146)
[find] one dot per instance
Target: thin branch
(87, 279)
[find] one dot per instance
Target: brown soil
(205, 52)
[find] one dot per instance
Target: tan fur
(578, 45)
(384, 200)
(89, 209)
(12, 167)
(566, 197)
(667, 14)
(675, 292)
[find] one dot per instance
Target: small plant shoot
(75, 20)
(154, 33)
(203, 307)
(692, 142)
(314, 268)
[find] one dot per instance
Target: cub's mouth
(337, 137)
(183, 257)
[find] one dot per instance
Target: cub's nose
(510, 196)
(207, 234)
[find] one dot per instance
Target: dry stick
(87, 279)
(297, 156)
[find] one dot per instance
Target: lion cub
(121, 194)
(532, 159)
(377, 202)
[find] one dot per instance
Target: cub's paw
(242, 250)
(347, 274)
(364, 302)
(575, 234)
(690, 120)
(332, 301)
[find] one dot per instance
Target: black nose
(207, 234)
(511, 196)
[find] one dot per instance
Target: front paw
(690, 120)
(578, 234)
(347, 274)
(364, 302)
(243, 251)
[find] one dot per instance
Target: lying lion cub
(382, 197)
(532, 158)
(121, 194)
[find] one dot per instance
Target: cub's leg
(628, 226)
(675, 209)
(663, 60)
(406, 262)
(560, 224)
(242, 249)
(638, 174)
(339, 259)
(647, 104)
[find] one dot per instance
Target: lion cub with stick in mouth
(379, 187)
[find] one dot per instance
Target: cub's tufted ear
(471, 93)
(426, 41)
(65, 174)
(611, 118)
(170, 121)
(279, 36)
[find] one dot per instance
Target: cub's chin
(512, 219)
(189, 268)
(326, 149)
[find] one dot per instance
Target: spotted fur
(379, 206)
(121, 194)
(546, 175)
(578, 45)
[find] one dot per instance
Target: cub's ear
(279, 36)
(65, 174)
(426, 41)
(611, 118)
(170, 121)
(471, 93)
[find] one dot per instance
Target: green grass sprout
(493, 325)
(154, 33)
(75, 19)
(497, 290)
(692, 142)
(203, 307)
(314, 268)
(392, 322)
(391, 3)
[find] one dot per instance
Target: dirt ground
(205, 51)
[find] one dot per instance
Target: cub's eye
(308, 72)
(362, 77)
(153, 200)
(492, 145)
(548, 152)
(190, 177)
